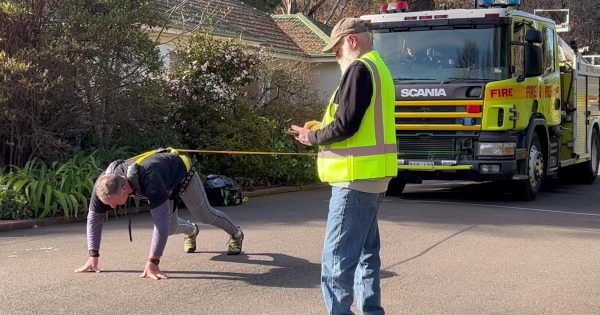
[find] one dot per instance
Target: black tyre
(396, 187)
(589, 170)
(536, 170)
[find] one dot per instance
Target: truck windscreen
(444, 55)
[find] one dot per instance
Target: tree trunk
(314, 8)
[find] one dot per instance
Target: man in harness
(160, 176)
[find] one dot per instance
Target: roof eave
(322, 58)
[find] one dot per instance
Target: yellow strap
(188, 165)
(139, 158)
(186, 161)
(143, 156)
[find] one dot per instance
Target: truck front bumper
(466, 170)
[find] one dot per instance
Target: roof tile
(305, 32)
(232, 18)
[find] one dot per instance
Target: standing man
(161, 176)
(357, 156)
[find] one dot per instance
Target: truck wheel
(395, 187)
(536, 166)
(590, 168)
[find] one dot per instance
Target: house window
(167, 54)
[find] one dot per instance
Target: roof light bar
(499, 3)
(492, 16)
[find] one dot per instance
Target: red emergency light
(473, 109)
(402, 6)
(399, 6)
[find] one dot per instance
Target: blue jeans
(351, 253)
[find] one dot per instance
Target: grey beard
(345, 62)
(344, 66)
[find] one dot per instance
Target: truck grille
(438, 115)
(426, 148)
(427, 121)
(429, 109)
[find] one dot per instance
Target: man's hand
(152, 271)
(91, 265)
(300, 134)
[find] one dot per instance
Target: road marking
(504, 207)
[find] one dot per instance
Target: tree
(224, 95)
(74, 73)
(328, 11)
(421, 5)
(585, 25)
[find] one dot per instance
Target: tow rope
(245, 152)
(193, 170)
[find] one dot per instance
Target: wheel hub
(536, 166)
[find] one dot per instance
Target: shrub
(221, 100)
(56, 189)
(264, 134)
(12, 205)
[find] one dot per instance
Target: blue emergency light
(468, 121)
(499, 3)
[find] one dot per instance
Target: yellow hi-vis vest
(371, 152)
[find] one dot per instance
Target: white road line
(504, 207)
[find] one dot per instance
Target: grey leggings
(196, 201)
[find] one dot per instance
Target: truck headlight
(496, 148)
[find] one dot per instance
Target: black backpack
(222, 191)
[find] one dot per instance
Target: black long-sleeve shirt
(353, 98)
(158, 175)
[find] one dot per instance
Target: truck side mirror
(533, 60)
(533, 54)
(533, 36)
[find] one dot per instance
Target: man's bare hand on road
(152, 271)
(91, 265)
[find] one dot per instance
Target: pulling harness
(133, 177)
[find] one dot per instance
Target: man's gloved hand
(312, 125)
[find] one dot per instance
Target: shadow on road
(286, 272)
(384, 269)
(498, 191)
(559, 204)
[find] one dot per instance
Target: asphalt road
(447, 248)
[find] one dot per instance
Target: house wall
(327, 77)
